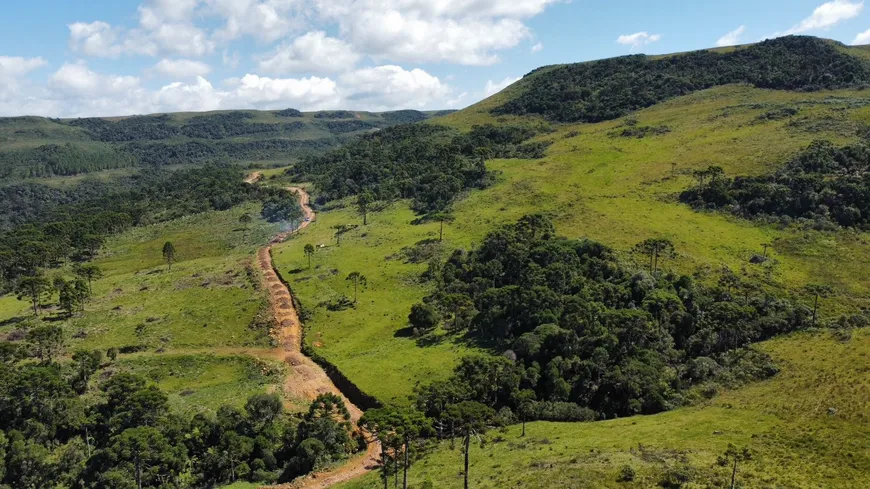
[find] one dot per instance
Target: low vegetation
(824, 185)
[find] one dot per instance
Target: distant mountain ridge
(42, 147)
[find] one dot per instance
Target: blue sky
(67, 58)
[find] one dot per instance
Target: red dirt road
(306, 379)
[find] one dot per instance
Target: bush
(423, 316)
(626, 474)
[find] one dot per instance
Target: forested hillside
(629, 273)
(683, 226)
(607, 89)
(39, 147)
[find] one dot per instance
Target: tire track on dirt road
(306, 379)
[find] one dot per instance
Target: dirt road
(306, 380)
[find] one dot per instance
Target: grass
(615, 190)
(620, 191)
(197, 330)
(205, 382)
(368, 342)
(796, 441)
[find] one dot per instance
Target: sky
(79, 58)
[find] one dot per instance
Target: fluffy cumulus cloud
(313, 52)
(638, 39)
(732, 38)
(164, 27)
(308, 53)
(399, 36)
(265, 20)
(493, 88)
(828, 15)
(452, 31)
(76, 90)
(16, 66)
(181, 68)
(862, 38)
(390, 87)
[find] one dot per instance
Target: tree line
(45, 229)
(825, 184)
(611, 88)
(60, 427)
(429, 164)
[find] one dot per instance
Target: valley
(527, 277)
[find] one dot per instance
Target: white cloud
(182, 68)
(183, 97)
(75, 90)
(15, 66)
(391, 87)
(165, 26)
(537, 47)
(408, 37)
(263, 92)
(638, 39)
(267, 20)
(313, 52)
(94, 39)
(493, 88)
(732, 38)
(827, 15)
(468, 32)
(862, 38)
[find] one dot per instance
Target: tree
(339, 230)
(245, 220)
(382, 425)
(363, 201)
(442, 217)
(88, 272)
(34, 287)
(169, 254)
(655, 248)
(471, 418)
(733, 457)
(87, 362)
(525, 400)
(818, 290)
(149, 454)
(359, 280)
(412, 424)
(47, 342)
(309, 251)
(423, 316)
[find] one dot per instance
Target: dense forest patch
(827, 185)
(430, 164)
(609, 89)
(577, 326)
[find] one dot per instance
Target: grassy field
(198, 382)
(199, 330)
(366, 341)
(612, 189)
(620, 191)
(806, 428)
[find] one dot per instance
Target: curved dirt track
(306, 379)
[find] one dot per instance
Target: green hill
(616, 177)
(39, 147)
(672, 249)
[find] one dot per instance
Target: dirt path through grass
(306, 379)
